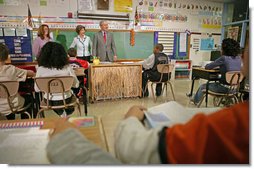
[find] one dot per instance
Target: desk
(115, 80)
(94, 134)
(210, 75)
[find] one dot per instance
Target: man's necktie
(104, 37)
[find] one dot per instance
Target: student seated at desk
(12, 73)
(77, 63)
(229, 61)
(150, 68)
(53, 61)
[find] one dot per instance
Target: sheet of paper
(23, 146)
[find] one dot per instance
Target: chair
(80, 73)
(56, 85)
(8, 91)
(233, 78)
(163, 69)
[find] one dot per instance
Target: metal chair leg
(171, 87)
(154, 98)
(39, 113)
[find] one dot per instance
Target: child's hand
(136, 111)
(61, 125)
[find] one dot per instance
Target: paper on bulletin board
(9, 31)
(182, 42)
(12, 2)
(1, 32)
(207, 44)
(43, 3)
(21, 32)
(84, 5)
(123, 5)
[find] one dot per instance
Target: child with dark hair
(229, 61)
(74, 61)
(53, 61)
(150, 69)
(12, 73)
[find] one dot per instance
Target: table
(210, 75)
(115, 80)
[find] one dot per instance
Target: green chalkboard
(144, 42)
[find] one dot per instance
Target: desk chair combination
(164, 69)
(8, 91)
(55, 85)
(233, 78)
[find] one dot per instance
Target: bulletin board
(19, 45)
(144, 42)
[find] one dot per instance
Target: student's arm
(149, 62)
(134, 144)
(68, 146)
(30, 73)
(18, 73)
(221, 137)
(216, 63)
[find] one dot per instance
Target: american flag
(29, 19)
(136, 17)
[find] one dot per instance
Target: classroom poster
(183, 42)
(123, 5)
(85, 5)
(233, 32)
(207, 44)
(102, 5)
(20, 48)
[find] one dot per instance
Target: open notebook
(171, 113)
(23, 145)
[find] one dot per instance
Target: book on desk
(171, 113)
(23, 143)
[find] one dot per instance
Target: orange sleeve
(222, 137)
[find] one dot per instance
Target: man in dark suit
(104, 44)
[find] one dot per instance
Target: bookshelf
(182, 69)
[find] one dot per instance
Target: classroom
(124, 82)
